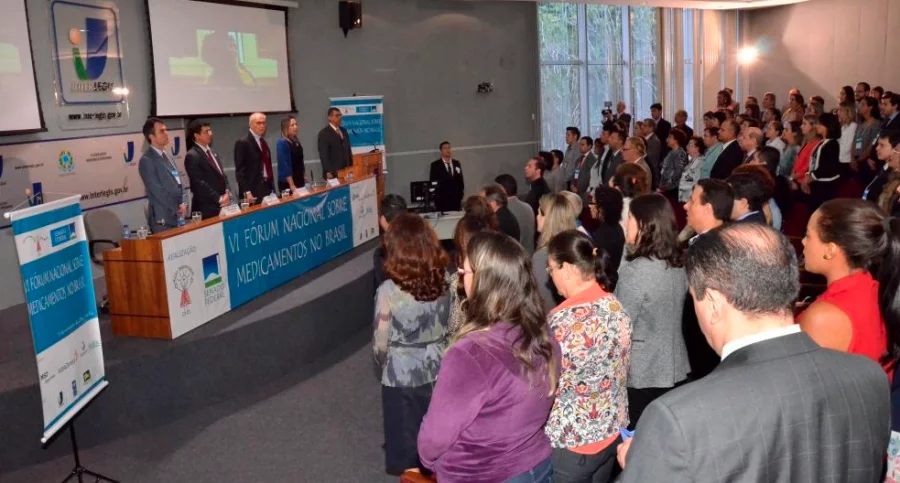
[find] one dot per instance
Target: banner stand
(78, 472)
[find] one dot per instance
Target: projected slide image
(226, 59)
(19, 109)
(10, 61)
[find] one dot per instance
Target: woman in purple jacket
(495, 387)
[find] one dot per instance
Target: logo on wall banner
(176, 146)
(128, 153)
(66, 162)
(91, 89)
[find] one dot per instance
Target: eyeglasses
(551, 268)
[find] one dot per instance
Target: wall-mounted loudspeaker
(350, 15)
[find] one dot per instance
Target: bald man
(253, 161)
(751, 140)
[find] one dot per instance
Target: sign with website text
(91, 91)
(62, 308)
(103, 170)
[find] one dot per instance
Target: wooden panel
(139, 326)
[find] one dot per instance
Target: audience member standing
(793, 138)
(570, 160)
(555, 216)
(594, 335)
(632, 181)
(537, 186)
(585, 164)
(392, 206)
(889, 201)
(811, 141)
(478, 207)
(681, 118)
(750, 141)
(603, 154)
(674, 163)
(760, 401)
(709, 206)
(847, 116)
(749, 197)
(821, 182)
(696, 149)
(412, 308)
(616, 143)
(465, 229)
(555, 175)
(652, 288)
(606, 207)
(520, 210)
(773, 133)
(888, 145)
(866, 133)
(497, 380)
(714, 149)
(654, 148)
(795, 110)
(496, 198)
(732, 156)
(663, 127)
(845, 240)
(635, 152)
(447, 172)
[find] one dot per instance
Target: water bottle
(126, 233)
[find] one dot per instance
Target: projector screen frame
(236, 3)
(37, 89)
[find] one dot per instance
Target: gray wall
(425, 56)
(822, 45)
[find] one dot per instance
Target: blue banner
(277, 244)
(62, 308)
(364, 120)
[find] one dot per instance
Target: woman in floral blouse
(594, 333)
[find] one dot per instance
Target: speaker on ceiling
(349, 15)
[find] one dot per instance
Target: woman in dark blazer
(821, 183)
(291, 170)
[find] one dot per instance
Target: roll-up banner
(363, 118)
(62, 309)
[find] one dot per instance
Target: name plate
(301, 191)
(270, 200)
(334, 182)
(230, 210)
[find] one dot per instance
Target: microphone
(356, 134)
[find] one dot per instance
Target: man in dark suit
(663, 128)
(497, 200)
(613, 158)
(538, 187)
(334, 145)
(253, 161)
(209, 185)
(732, 156)
(654, 153)
(750, 195)
(681, 118)
(778, 407)
(165, 189)
(447, 172)
(584, 166)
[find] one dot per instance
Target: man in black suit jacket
(732, 156)
(334, 145)
(497, 200)
(749, 197)
(253, 161)
(681, 118)
(209, 185)
(778, 407)
(447, 172)
(663, 128)
(538, 187)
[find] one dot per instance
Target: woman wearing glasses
(498, 378)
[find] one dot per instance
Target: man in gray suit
(570, 159)
(585, 165)
(163, 183)
(654, 148)
(778, 407)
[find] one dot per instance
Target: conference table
(175, 281)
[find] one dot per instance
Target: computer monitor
(423, 195)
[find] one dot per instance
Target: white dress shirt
(259, 143)
(778, 144)
(848, 137)
(736, 344)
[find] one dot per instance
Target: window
(687, 24)
(592, 55)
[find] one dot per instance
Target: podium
(364, 165)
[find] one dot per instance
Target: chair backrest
(103, 224)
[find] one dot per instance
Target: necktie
(212, 161)
(266, 158)
(449, 169)
(339, 133)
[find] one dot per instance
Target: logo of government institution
(96, 34)
(182, 281)
(66, 162)
(128, 153)
(211, 276)
(176, 146)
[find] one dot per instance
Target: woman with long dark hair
(291, 169)
(594, 334)
(498, 378)
(606, 207)
(466, 228)
(652, 286)
(824, 173)
(411, 311)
